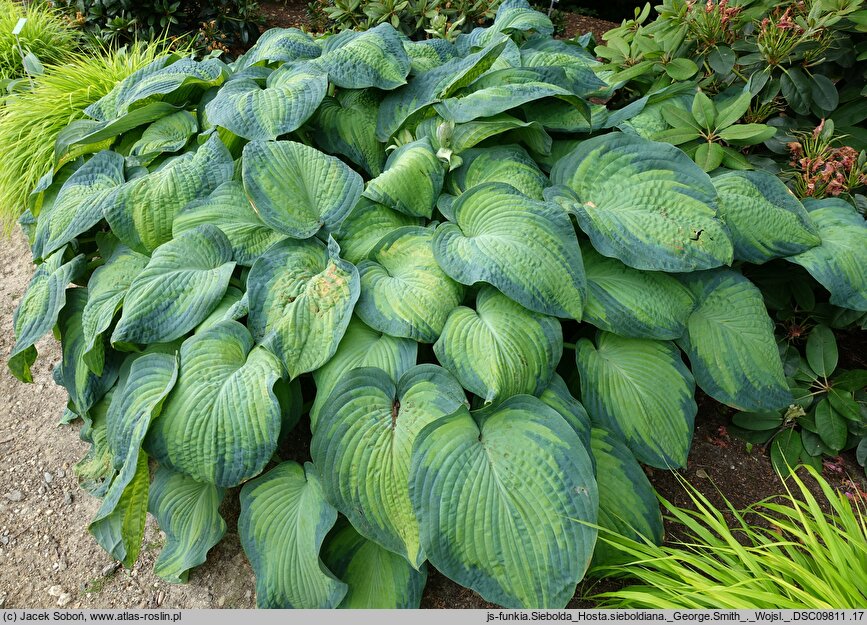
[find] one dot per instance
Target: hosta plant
(441, 261)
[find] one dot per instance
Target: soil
(48, 558)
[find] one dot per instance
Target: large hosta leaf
(119, 523)
(78, 206)
(502, 496)
(361, 346)
(506, 163)
(412, 180)
(363, 446)
(222, 420)
(37, 311)
(188, 512)
(143, 209)
(643, 202)
(505, 89)
(429, 54)
(83, 386)
(404, 292)
(280, 44)
(376, 577)
(297, 189)
(145, 382)
(526, 249)
(301, 295)
(284, 519)
(346, 125)
(838, 263)
(501, 348)
(458, 138)
(163, 77)
(629, 302)
(627, 501)
(512, 16)
(407, 103)
(766, 220)
(228, 208)
(106, 289)
(290, 96)
(366, 225)
(168, 134)
(372, 58)
(640, 390)
(183, 282)
(95, 470)
(730, 343)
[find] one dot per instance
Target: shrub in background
(417, 19)
(31, 120)
(219, 25)
(47, 35)
(782, 553)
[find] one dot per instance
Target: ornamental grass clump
(782, 553)
(394, 243)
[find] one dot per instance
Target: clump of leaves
(797, 556)
(395, 243)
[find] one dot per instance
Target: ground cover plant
(488, 304)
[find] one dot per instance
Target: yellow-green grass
(47, 34)
(794, 555)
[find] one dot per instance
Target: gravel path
(47, 556)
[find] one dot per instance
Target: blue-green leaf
(361, 346)
(141, 212)
(633, 303)
(183, 282)
(371, 58)
(363, 446)
(284, 519)
(527, 249)
(376, 577)
(221, 421)
(301, 296)
(838, 263)
(641, 390)
(730, 343)
(38, 309)
(404, 293)
(627, 501)
(188, 512)
(412, 180)
(501, 348)
(502, 496)
(766, 220)
(289, 98)
(643, 202)
(297, 189)
(228, 208)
